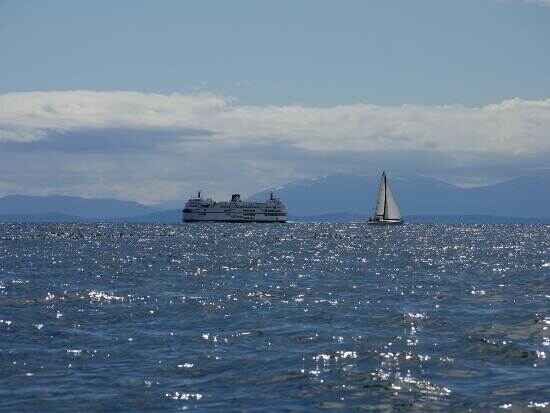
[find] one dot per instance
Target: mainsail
(380, 204)
(386, 207)
(392, 210)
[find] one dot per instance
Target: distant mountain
(41, 218)
(94, 209)
(527, 196)
(172, 216)
(417, 195)
(174, 204)
(334, 217)
(161, 217)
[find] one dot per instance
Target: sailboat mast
(385, 197)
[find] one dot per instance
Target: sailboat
(387, 212)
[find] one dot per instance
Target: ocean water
(260, 317)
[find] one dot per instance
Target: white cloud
(152, 147)
(540, 2)
(544, 3)
(510, 127)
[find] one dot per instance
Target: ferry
(236, 210)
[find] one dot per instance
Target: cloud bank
(539, 2)
(152, 147)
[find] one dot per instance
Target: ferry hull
(235, 221)
(222, 217)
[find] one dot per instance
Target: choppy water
(297, 317)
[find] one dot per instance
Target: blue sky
(467, 81)
(314, 52)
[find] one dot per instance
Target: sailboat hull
(385, 222)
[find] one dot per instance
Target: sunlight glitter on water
(303, 317)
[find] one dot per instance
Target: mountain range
(527, 196)
(331, 198)
(87, 208)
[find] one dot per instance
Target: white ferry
(236, 210)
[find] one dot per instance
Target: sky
(151, 101)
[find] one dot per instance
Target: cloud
(539, 2)
(510, 127)
(152, 147)
(543, 3)
(104, 140)
(59, 112)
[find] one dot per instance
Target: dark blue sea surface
(260, 317)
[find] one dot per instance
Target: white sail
(391, 210)
(381, 197)
(387, 211)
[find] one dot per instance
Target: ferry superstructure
(199, 209)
